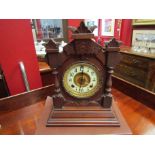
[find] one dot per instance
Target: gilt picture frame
(143, 22)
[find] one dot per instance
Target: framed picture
(51, 28)
(108, 27)
(143, 22)
(144, 39)
(92, 22)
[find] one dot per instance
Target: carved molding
(87, 47)
(82, 47)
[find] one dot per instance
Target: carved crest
(51, 44)
(82, 28)
(112, 43)
(87, 47)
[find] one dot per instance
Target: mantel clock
(82, 80)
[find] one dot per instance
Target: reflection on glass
(49, 28)
(144, 43)
(92, 22)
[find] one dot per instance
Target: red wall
(16, 44)
(126, 32)
(106, 38)
(117, 28)
(73, 22)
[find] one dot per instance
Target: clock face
(82, 80)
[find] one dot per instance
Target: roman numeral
(81, 68)
(81, 90)
(75, 70)
(92, 73)
(71, 74)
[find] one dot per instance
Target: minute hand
(81, 80)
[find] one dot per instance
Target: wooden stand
(84, 116)
(85, 129)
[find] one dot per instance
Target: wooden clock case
(93, 111)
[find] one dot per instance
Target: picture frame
(46, 29)
(143, 41)
(141, 35)
(143, 22)
(108, 27)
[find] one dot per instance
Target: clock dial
(82, 80)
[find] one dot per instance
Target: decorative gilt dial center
(82, 80)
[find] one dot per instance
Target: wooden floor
(140, 118)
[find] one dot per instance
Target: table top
(128, 50)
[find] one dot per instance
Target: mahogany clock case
(96, 110)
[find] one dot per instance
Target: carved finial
(51, 44)
(82, 28)
(113, 43)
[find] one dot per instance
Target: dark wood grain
(137, 68)
(24, 99)
(140, 94)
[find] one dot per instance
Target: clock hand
(81, 79)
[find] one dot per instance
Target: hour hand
(81, 79)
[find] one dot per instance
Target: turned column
(58, 99)
(113, 57)
(109, 81)
(56, 81)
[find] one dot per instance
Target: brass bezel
(86, 94)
